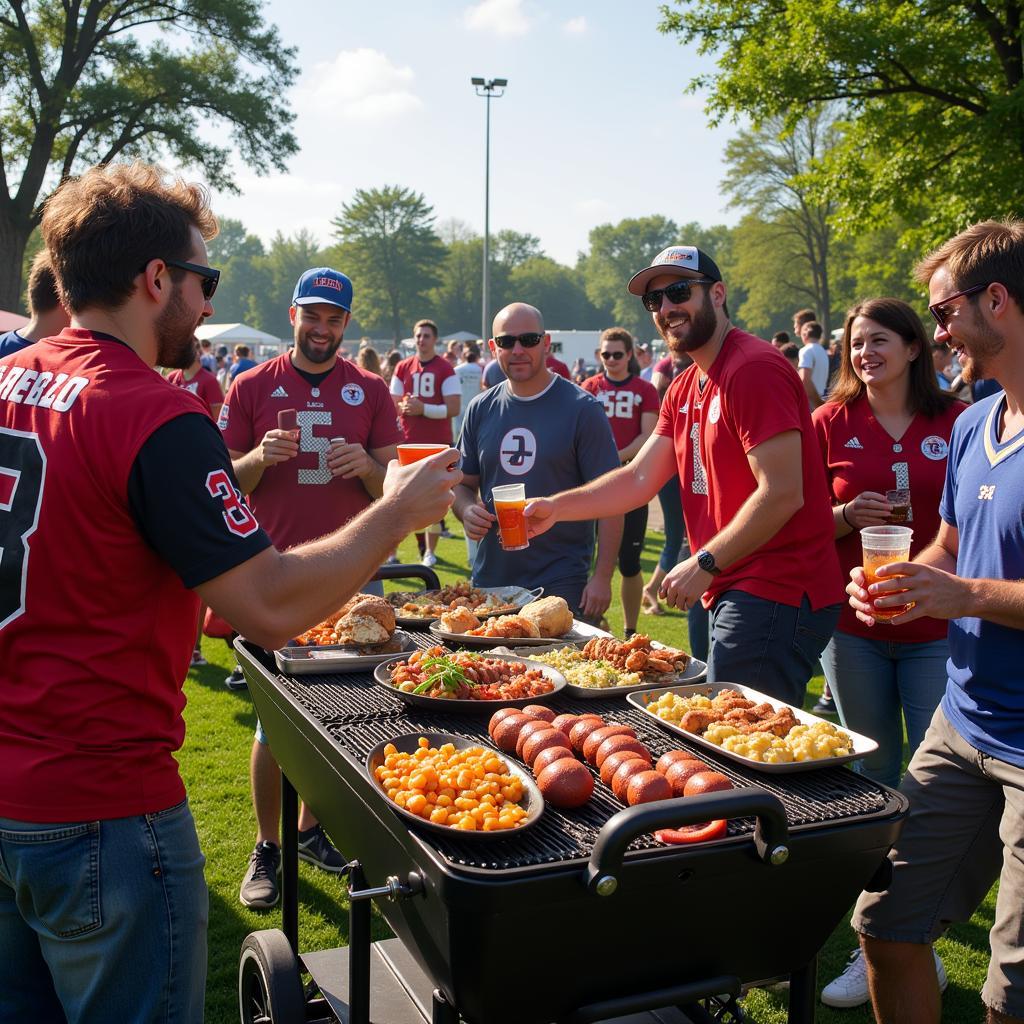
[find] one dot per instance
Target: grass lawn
(215, 765)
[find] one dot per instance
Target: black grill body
(515, 931)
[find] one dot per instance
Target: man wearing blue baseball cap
(310, 435)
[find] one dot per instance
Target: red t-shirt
(96, 628)
(203, 384)
(431, 382)
(860, 455)
(298, 500)
(624, 403)
(752, 394)
(555, 365)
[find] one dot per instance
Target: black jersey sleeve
(186, 502)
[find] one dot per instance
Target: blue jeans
(878, 683)
(698, 622)
(672, 512)
(768, 646)
(103, 921)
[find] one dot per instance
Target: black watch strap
(706, 561)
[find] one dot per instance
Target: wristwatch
(706, 561)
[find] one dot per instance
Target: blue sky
(594, 126)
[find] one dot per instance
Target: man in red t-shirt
(427, 395)
(737, 427)
(119, 513)
(302, 483)
(631, 405)
(201, 383)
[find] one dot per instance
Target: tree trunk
(14, 236)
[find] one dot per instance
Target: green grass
(215, 765)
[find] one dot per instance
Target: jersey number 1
(22, 474)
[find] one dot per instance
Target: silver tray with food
(417, 609)
(506, 638)
(604, 667)
(467, 681)
(751, 728)
(529, 805)
(537, 623)
(302, 659)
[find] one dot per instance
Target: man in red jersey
(119, 512)
(737, 427)
(428, 395)
(303, 483)
(631, 405)
(201, 383)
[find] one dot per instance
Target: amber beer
(883, 545)
(509, 506)
(408, 453)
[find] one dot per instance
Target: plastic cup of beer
(899, 498)
(883, 545)
(509, 503)
(408, 453)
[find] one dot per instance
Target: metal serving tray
(574, 636)
(439, 704)
(862, 745)
(517, 596)
(301, 659)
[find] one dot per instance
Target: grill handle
(771, 836)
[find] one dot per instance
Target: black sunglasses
(943, 312)
(677, 292)
(612, 355)
(210, 276)
(529, 340)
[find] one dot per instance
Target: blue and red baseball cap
(322, 284)
(682, 260)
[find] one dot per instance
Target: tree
(93, 80)
(931, 93)
(390, 249)
(557, 291)
(513, 248)
(769, 171)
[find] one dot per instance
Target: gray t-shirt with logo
(552, 442)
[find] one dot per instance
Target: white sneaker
(851, 987)
(430, 559)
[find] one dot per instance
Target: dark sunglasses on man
(676, 293)
(210, 277)
(528, 340)
(944, 309)
(612, 355)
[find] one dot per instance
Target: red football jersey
(860, 455)
(624, 403)
(431, 383)
(96, 629)
(203, 384)
(752, 394)
(298, 500)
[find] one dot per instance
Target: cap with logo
(682, 260)
(322, 284)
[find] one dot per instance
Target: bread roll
(551, 616)
(459, 620)
(368, 620)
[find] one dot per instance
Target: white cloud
(359, 85)
(575, 26)
(593, 209)
(499, 17)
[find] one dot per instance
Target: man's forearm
(998, 601)
(374, 480)
(938, 556)
(617, 492)
(248, 470)
(758, 519)
(464, 497)
(609, 539)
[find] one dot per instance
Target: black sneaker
(315, 847)
(825, 706)
(236, 681)
(259, 887)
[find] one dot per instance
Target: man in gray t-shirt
(540, 430)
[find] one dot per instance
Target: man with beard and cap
(304, 481)
(965, 782)
(119, 513)
(737, 428)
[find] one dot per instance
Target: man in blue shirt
(965, 783)
(538, 429)
(47, 316)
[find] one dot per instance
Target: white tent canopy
(235, 334)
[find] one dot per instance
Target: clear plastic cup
(883, 545)
(509, 504)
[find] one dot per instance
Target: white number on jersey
(424, 385)
(902, 471)
(699, 484)
(310, 443)
(619, 404)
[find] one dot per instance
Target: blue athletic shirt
(557, 440)
(984, 499)
(12, 341)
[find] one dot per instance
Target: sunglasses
(210, 276)
(677, 292)
(943, 311)
(612, 355)
(528, 340)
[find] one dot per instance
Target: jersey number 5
(240, 521)
(22, 474)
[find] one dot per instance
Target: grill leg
(358, 950)
(441, 1011)
(801, 993)
(290, 863)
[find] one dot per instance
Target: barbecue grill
(585, 917)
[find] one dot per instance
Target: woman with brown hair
(367, 359)
(885, 428)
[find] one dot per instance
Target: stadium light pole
(494, 88)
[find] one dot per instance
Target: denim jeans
(698, 622)
(768, 646)
(672, 514)
(878, 683)
(103, 921)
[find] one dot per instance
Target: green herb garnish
(444, 673)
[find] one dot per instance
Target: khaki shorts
(965, 829)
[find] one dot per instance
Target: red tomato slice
(692, 833)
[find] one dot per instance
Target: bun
(459, 620)
(368, 620)
(551, 616)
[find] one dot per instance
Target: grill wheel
(269, 983)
